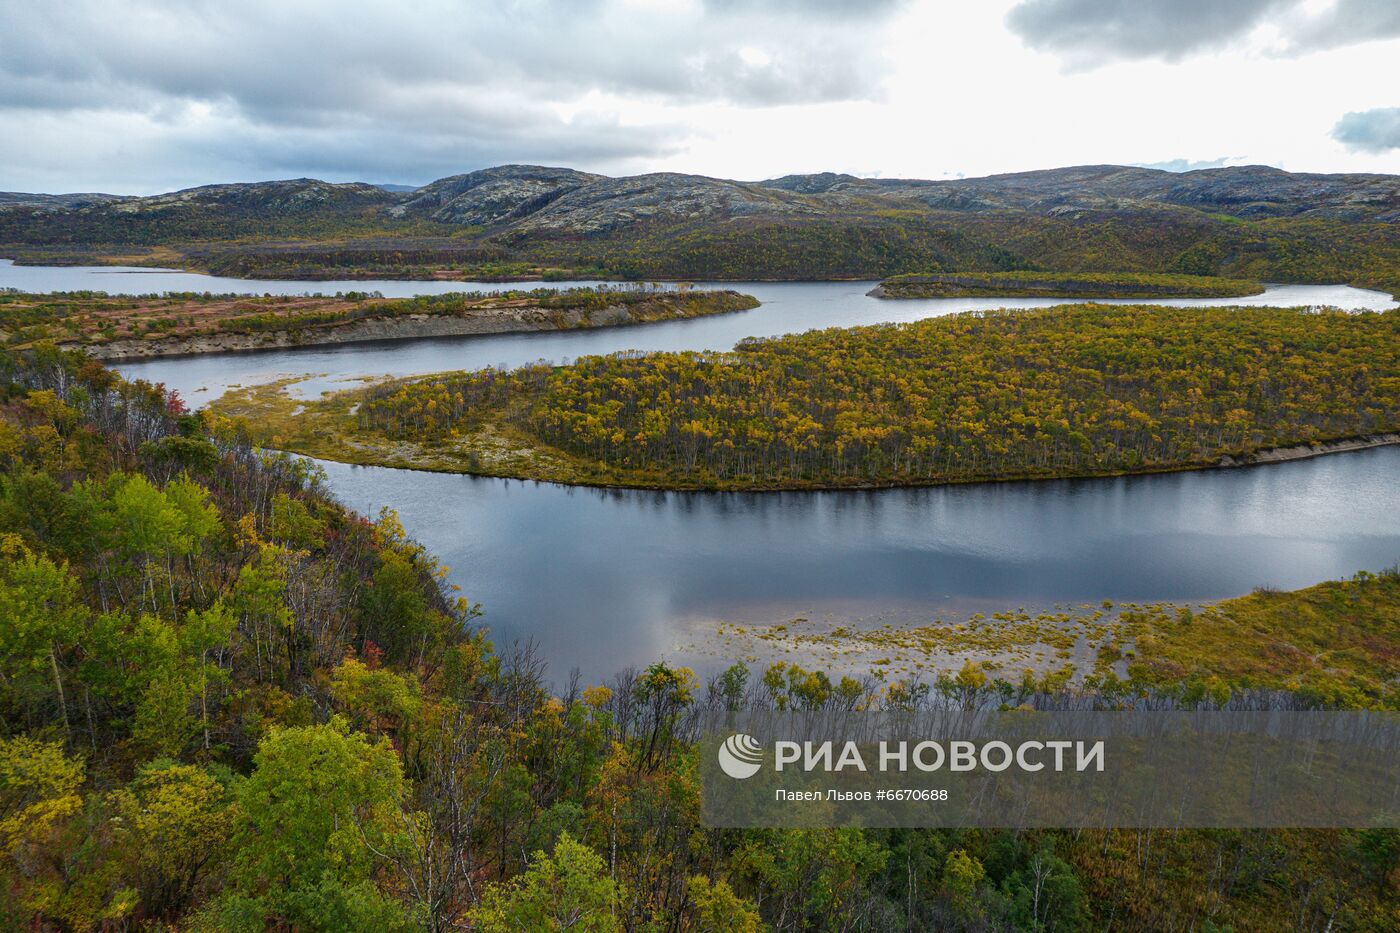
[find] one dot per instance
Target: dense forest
(92, 318)
(1063, 285)
(1063, 391)
(229, 704)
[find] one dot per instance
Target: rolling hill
(522, 221)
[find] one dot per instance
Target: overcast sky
(140, 96)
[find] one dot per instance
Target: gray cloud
(1091, 32)
(1370, 130)
(329, 54)
(1087, 31)
(1347, 23)
(447, 87)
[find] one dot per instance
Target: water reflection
(604, 577)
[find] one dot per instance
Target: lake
(605, 578)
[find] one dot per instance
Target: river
(604, 578)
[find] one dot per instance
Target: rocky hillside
(529, 197)
(297, 196)
(494, 195)
(55, 201)
(522, 221)
(1243, 191)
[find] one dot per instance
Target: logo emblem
(740, 756)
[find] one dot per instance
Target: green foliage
(292, 523)
(962, 875)
(320, 805)
(43, 621)
(816, 878)
(170, 828)
(568, 889)
(39, 787)
(719, 910)
(377, 697)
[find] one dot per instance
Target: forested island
(1062, 285)
(1073, 390)
(117, 327)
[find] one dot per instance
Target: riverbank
(1068, 285)
(118, 329)
(1307, 451)
(1335, 641)
(324, 428)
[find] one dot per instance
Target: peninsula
(1063, 285)
(1071, 390)
(115, 328)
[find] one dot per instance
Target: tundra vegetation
(1334, 643)
(1063, 285)
(1076, 390)
(227, 703)
(93, 318)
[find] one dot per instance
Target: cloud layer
(1091, 32)
(139, 96)
(364, 87)
(1088, 32)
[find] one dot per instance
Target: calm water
(788, 307)
(600, 579)
(604, 578)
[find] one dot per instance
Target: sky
(144, 96)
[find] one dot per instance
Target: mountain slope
(1243, 191)
(519, 220)
(492, 195)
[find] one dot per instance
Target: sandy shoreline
(1308, 451)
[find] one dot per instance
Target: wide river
(600, 579)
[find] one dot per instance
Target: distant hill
(1243, 191)
(529, 196)
(55, 201)
(1250, 221)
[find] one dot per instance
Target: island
(116, 328)
(1064, 391)
(1062, 285)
